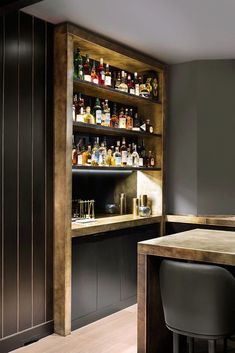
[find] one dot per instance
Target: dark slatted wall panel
(26, 75)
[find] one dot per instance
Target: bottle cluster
(119, 155)
(101, 114)
(143, 85)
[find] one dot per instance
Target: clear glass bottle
(80, 109)
(108, 77)
(101, 72)
(135, 157)
(97, 112)
(124, 152)
(129, 156)
(136, 84)
(123, 86)
(95, 153)
(117, 157)
(102, 154)
(106, 114)
(87, 69)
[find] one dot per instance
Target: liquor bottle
(74, 107)
(77, 65)
(87, 69)
(97, 112)
(102, 154)
(108, 77)
(109, 157)
(114, 118)
(130, 84)
(101, 73)
(117, 157)
(113, 163)
(106, 113)
(149, 126)
(155, 88)
(80, 109)
(142, 155)
(129, 119)
(148, 84)
(129, 156)
(136, 84)
(74, 152)
(123, 86)
(118, 80)
(136, 122)
(135, 157)
(124, 152)
(79, 153)
(89, 153)
(122, 119)
(143, 91)
(95, 153)
(88, 117)
(94, 76)
(150, 159)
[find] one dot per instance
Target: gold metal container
(135, 206)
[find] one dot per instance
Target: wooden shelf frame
(110, 169)
(67, 37)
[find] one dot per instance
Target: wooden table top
(204, 245)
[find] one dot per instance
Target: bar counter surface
(209, 246)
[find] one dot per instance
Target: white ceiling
(174, 31)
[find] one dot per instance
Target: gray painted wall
(201, 138)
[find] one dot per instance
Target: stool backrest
(198, 298)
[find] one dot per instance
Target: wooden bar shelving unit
(145, 181)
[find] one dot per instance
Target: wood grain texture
(112, 223)
(213, 220)
(63, 92)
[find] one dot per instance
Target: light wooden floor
(114, 334)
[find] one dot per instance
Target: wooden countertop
(212, 246)
(213, 220)
(112, 223)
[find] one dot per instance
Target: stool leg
(191, 344)
(176, 343)
(225, 345)
(211, 346)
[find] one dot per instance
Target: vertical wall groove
(26, 234)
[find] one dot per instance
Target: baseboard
(99, 314)
(26, 337)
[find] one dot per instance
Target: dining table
(197, 245)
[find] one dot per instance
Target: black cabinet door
(84, 278)
(108, 270)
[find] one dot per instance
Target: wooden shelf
(94, 90)
(107, 224)
(110, 169)
(212, 220)
(110, 131)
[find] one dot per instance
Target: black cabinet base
(26, 337)
(88, 319)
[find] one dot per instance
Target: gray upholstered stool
(198, 301)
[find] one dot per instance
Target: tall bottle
(114, 118)
(74, 152)
(80, 109)
(129, 119)
(108, 77)
(75, 99)
(87, 69)
(88, 117)
(118, 80)
(101, 72)
(136, 122)
(117, 157)
(77, 65)
(136, 84)
(123, 86)
(150, 161)
(106, 112)
(142, 155)
(122, 119)
(97, 112)
(124, 152)
(130, 84)
(135, 157)
(95, 153)
(94, 76)
(102, 154)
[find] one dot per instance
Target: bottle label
(124, 157)
(79, 160)
(122, 123)
(98, 116)
(74, 115)
(87, 78)
(152, 162)
(141, 162)
(118, 161)
(137, 89)
(108, 80)
(96, 81)
(132, 91)
(80, 118)
(107, 119)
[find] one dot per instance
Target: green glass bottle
(77, 65)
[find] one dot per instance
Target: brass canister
(143, 200)
(135, 206)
